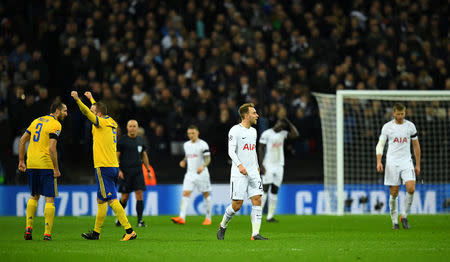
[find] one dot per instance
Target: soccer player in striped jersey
(104, 135)
(42, 165)
(399, 133)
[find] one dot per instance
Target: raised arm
(84, 109)
(293, 132)
(90, 97)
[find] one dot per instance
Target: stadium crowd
(169, 64)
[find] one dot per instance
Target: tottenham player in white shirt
(245, 179)
(271, 152)
(197, 158)
(399, 133)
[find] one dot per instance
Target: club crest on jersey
(139, 148)
(400, 140)
(249, 147)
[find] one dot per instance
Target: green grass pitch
(294, 238)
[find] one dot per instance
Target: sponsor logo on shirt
(249, 147)
(191, 155)
(275, 145)
(400, 140)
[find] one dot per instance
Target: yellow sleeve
(92, 100)
(29, 129)
(85, 110)
(56, 128)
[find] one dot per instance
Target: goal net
(351, 124)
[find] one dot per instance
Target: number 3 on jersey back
(37, 134)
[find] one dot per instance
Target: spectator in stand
(146, 58)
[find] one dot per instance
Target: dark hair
(399, 107)
(101, 107)
(193, 127)
(57, 105)
(244, 109)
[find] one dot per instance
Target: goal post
(351, 123)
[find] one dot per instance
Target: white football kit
(242, 150)
(195, 153)
(274, 157)
(399, 165)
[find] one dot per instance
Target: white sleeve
(413, 131)
(383, 135)
(232, 144)
(380, 147)
(264, 137)
(284, 133)
(206, 149)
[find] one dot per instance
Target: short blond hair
(243, 109)
(399, 107)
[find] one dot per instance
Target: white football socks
(256, 216)
(407, 205)
(183, 206)
(208, 207)
(229, 213)
(394, 209)
(263, 199)
(273, 199)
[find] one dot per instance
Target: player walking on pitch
(271, 151)
(399, 166)
(245, 179)
(42, 165)
(196, 161)
(104, 136)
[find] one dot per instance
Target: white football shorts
(395, 174)
(273, 175)
(242, 186)
(201, 182)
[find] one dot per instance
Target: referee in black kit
(131, 153)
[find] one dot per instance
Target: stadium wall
(80, 200)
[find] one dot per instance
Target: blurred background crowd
(169, 64)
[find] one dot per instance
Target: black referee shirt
(130, 151)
